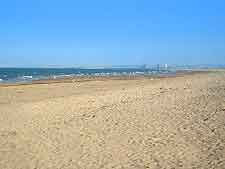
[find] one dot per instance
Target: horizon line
(112, 66)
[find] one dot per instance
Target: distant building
(166, 66)
(158, 67)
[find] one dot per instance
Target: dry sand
(176, 122)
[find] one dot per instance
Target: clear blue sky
(117, 32)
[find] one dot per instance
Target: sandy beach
(145, 123)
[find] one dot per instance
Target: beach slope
(174, 122)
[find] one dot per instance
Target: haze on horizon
(129, 32)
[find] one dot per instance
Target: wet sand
(176, 122)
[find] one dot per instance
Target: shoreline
(104, 78)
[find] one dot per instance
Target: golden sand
(176, 122)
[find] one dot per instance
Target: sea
(27, 75)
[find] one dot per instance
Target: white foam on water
(61, 76)
(27, 77)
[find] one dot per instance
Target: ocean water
(15, 75)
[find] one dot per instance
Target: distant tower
(144, 66)
(166, 66)
(158, 67)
